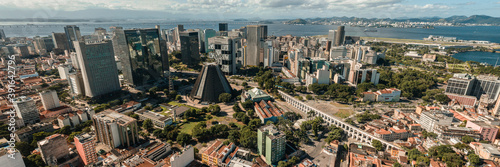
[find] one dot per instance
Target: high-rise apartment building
(85, 145)
(489, 85)
(115, 129)
(49, 99)
(145, 58)
(271, 144)
(225, 52)
(75, 81)
(190, 47)
(26, 110)
(98, 67)
(339, 36)
(256, 36)
(72, 34)
(60, 41)
(43, 44)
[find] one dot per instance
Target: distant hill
(474, 19)
(296, 21)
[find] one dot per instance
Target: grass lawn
(188, 126)
(343, 113)
(174, 103)
(339, 105)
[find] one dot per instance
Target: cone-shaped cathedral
(210, 84)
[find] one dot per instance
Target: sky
(246, 9)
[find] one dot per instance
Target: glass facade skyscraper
(146, 59)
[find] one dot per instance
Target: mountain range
(474, 19)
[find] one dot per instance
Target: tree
(396, 164)
(183, 138)
(467, 139)
(34, 160)
(65, 130)
(24, 148)
(378, 145)
(234, 136)
(309, 97)
(244, 84)
(148, 125)
(248, 138)
(474, 159)
(178, 98)
(421, 160)
(442, 98)
(214, 109)
(413, 154)
(71, 137)
(225, 97)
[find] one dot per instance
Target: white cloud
(253, 8)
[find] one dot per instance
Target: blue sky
(231, 9)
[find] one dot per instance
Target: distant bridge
(352, 131)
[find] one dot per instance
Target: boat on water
(370, 30)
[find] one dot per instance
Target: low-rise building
(486, 151)
(53, 148)
(430, 119)
(385, 95)
(26, 134)
(219, 154)
(488, 132)
(255, 94)
(158, 120)
(183, 158)
(267, 111)
(449, 132)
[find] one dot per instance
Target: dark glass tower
(146, 59)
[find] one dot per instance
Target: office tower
(210, 84)
(331, 36)
(190, 48)
(271, 144)
(207, 33)
(460, 84)
(2, 34)
(85, 145)
(177, 40)
(43, 44)
(53, 149)
(225, 51)
(223, 27)
(49, 99)
(484, 84)
(72, 34)
(63, 71)
(26, 110)
(256, 35)
(115, 129)
(338, 53)
(98, 67)
(145, 58)
(60, 41)
(75, 81)
(339, 36)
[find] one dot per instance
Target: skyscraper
(190, 48)
(85, 145)
(26, 110)
(225, 51)
(60, 41)
(49, 99)
(339, 36)
(256, 36)
(2, 34)
(98, 67)
(271, 144)
(115, 129)
(207, 33)
(223, 27)
(43, 44)
(145, 59)
(72, 34)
